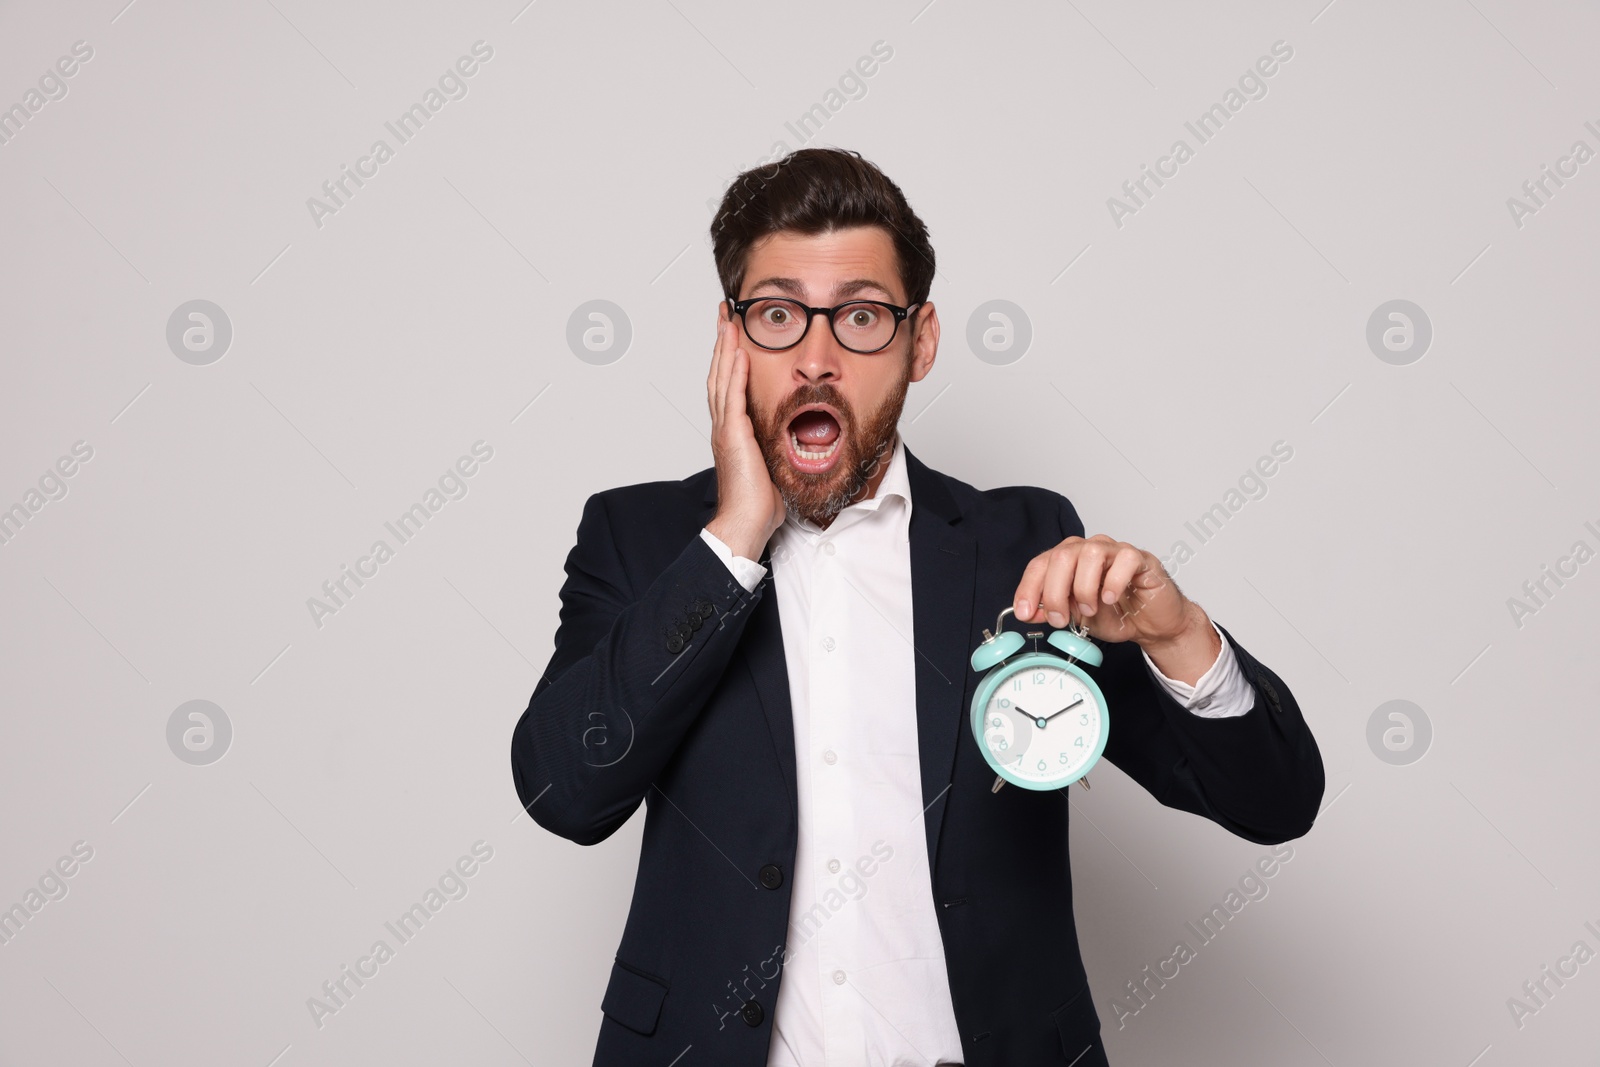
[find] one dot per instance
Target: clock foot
(998, 782)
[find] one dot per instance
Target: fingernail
(1056, 619)
(1024, 609)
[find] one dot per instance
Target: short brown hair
(812, 191)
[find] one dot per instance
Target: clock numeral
(995, 721)
(1083, 720)
(1079, 742)
(1063, 757)
(1038, 677)
(1004, 703)
(1041, 765)
(1016, 686)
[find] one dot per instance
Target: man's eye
(863, 317)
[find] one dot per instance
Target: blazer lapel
(762, 649)
(944, 559)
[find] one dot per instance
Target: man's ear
(924, 342)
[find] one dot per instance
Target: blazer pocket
(633, 999)
(1077, 1024)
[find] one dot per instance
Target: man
(772, 654)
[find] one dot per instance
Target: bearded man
(772, 654)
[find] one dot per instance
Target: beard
(865, 449)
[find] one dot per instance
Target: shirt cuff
(747, 571)
(1221, 693)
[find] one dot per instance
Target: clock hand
(1036, 720)
(1063, 711)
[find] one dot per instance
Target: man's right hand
(749, 506)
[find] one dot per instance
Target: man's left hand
(1121, 593)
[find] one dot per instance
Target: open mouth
(815, 436)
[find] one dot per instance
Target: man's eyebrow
(842, 291)
(858, 286)
(791, 286)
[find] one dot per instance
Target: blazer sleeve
(628, 677)
(1259, 775)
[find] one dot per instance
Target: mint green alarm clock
(1039, 720)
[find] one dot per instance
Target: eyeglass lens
(859, 326)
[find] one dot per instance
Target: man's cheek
(759, 421)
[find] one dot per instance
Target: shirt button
(827, 643)
(833, 866)
(829, 549)
(829, 757)
(1206, 703)
(838, 978)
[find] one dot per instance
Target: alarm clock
(1039, 720)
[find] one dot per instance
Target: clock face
(1043, 723)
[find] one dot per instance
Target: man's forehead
(848, 260)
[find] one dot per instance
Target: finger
(1064, 562)
(1092, 562)
(1025, 602)
(1120, 587)
(724, 371)
(716, 353)
(738, 380)
(1129, 561)
(712, 394)
(739, 428)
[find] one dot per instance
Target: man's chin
(810, 495)
(820, 498)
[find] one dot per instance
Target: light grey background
(1167, 355)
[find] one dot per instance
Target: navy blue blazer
(668, 685)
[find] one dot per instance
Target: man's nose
(819, 356)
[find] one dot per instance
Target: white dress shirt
(866, 982)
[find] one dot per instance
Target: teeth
(806, 454)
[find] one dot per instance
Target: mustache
(813, 394)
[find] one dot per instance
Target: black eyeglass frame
(900, 315)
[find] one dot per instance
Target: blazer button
(772, 878)
(682, 629)
(751, 1013)
(704, 608)
(696, 620)
(674, 644)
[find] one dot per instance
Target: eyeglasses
(862, 326)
